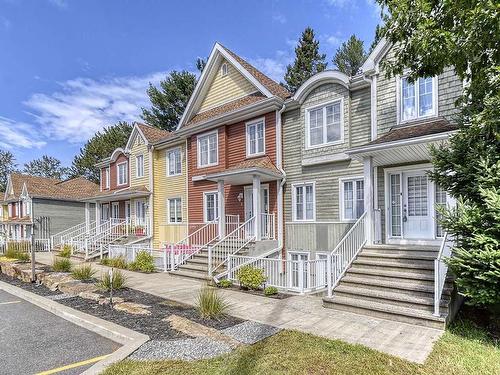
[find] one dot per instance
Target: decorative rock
(52, 280)
(75, 287)
(105, 300)
(90, 295)
(132, 308)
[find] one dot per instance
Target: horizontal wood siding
(227, 88)
(62, 214)
(139, 148)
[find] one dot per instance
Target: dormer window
(417, 98)
(224, 70)
(122, 173)
(324, 124)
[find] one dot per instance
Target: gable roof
(148, 133)
(50, 188)
(265, 85)
(373, 59)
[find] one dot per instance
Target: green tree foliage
(100, 146)
(170, 99)
(350, 56)
(379, 30)
(46, 166)
(429, 36)
(7, 166)
(200, 64)
(308, 61)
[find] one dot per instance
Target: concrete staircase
(196, 267)
(392, 282)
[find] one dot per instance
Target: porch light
(240, 197)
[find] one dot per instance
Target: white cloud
(18, 135)
(280, 18)
(339, 3)
(333, 40)
(84, 106)
(59, 3)
(273, 67)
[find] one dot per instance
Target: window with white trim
(224, 69)
(122, 173)
(207, 149)
(174, 162)
(324, 124)
(255, 138)
(174, 210)
(210, 206)
(139, 166)
(304, 202)
(106, 178)
(353, 199)
(417, 98)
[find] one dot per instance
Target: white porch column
(281, 239)
(221, 208)
(256, 205)
(97, 214)
(87, 216)
(368, 197)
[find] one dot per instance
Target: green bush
(65, 251)
(118, 281)
(23, 256)
(143, 262)
(210, 304)
(270, 291)
(251, 277)
(83, 272)
(225, 283)
(118, 262)
(61, 265)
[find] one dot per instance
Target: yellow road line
(73, 365)
(9, 302)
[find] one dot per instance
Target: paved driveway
(33, 340)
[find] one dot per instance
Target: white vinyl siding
(304, 202)
(207, 149)
(324, 124)
(174, 164)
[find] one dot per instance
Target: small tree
(350, 56)
(170, 99)
(308, 61)
(46, 166)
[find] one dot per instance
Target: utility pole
(33, 274)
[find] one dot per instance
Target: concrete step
(385, 311)
(375, 263)
(390, 277)
(194, 267)
(393, 298)
(423, 256)
(405, 248)
(396, 275)
(190, 275)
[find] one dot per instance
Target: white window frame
(294, 192)
(247, 132)
(224, 70)
(323, 107)
(341, 195)
(113, 205)
(399, 101)
(107, 175)
(176, 149)
(137, 169)
(125, 163)
(216, 209)
(168, 210)
(198, 149)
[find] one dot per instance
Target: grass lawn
(463, 349)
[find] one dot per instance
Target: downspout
(151, 199)
(279, 160)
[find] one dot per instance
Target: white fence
(129, 252)
(24, 245)
(440, 271)
(289, 275)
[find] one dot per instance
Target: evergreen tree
(308, 61)
(46, 166)
(100, 146)
(169, 100)
(350, 56)
(379, 31)
(200, 64)
(427, 37)
(7, 166)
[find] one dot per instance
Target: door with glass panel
(264, 207)
(299, 261)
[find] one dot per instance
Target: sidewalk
(302, 313)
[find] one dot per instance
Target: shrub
(143, 262)
(61, 265)
(65, 251)
(225, 283)
(118, 262)
(118, 280)
(23, 256)
(270, 291)
(210, 304)
(13, 252)
(83, 272)
(251, 277)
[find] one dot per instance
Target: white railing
(76, 231)
(184, 249)
(232, 222)
(231, 244)
(129, 253)
(440, 271)
(345, 252)
(300, 276)
(268, 225)
(24, 244)
(377, 225)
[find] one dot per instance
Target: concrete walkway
(302, 313)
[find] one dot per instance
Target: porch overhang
(402, 151)
(241, 176)
(118, 195)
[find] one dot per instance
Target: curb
(129, 339)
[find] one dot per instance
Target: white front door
(299, 280)
(140, 212)
(417, 206)
(115, 210)
(264, 204)
(105, 212)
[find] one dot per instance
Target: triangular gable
(372, 61)
(136, 132)
(217, 57)
(9, 189)
(24, 191)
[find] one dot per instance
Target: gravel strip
(250, 332)
(183, 349)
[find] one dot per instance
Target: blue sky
(70, 67)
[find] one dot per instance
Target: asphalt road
(33, 340)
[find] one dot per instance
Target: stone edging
(129, 339)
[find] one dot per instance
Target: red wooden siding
(113, 174)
